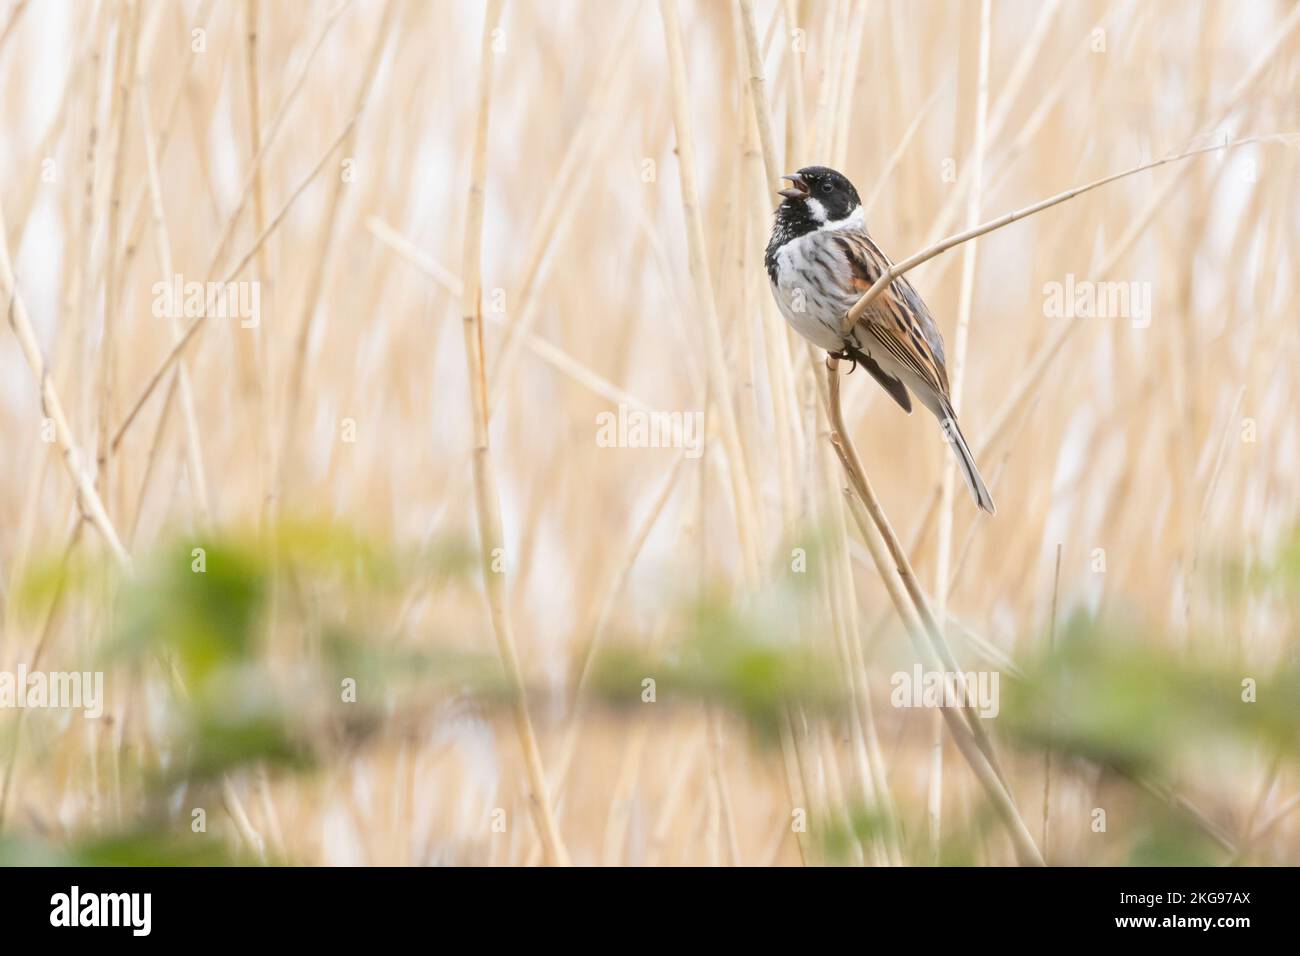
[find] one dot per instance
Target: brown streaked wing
(897, 319)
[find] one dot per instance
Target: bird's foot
(843, 356)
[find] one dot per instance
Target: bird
(821, 260)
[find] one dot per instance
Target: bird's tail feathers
(966, 461)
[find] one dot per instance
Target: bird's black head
(819, 194)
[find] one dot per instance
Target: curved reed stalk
(911, 262)
(900, 581)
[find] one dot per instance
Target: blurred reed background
(705, 644)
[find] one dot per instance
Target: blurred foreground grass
(280, 655)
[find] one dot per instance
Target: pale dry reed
(602, 175)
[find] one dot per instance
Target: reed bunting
(821, 261)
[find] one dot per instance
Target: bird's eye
(827, 187)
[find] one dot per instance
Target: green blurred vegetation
(745, 660)
(257, 636)
(131, 847)
(1140, 704)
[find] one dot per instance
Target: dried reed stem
(560, 209)
(73, 458)
(556, 357)
(1047, 751)
(854, 314)
(776, 336)
(193, 443)
(128, 28)
(487, 503)
(957, 378)
(248, 347)
(900, 582)
(178, 348)
(321, 258)
(719, 379)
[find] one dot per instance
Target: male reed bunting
(821, 261)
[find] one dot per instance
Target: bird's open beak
(797, 191)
